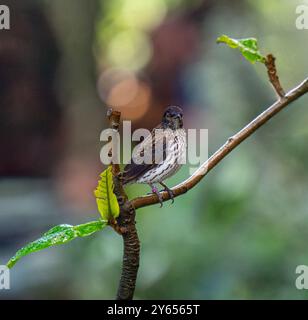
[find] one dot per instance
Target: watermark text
(4, 17)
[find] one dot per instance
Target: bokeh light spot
(117, 87)
(130, 48)
(143, 14)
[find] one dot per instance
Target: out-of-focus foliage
(122, 32)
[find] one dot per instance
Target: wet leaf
(58, 235)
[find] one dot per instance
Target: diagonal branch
(224, 150)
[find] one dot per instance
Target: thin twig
(223, 151)
(273, 75)
(114, 120)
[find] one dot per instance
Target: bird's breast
(175, 156)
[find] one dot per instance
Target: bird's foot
(160, 198)
(170, 192)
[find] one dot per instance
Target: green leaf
(248, 47)
(106, 200)
(58, 235)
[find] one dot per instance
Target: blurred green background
(240, 233)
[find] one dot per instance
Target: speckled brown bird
(166, 151)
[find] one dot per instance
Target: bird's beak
(178, 120)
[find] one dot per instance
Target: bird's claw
(160, 198)
(170, 193)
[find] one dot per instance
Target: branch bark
(131, 254)
(224, 150)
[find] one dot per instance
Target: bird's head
(173, 118)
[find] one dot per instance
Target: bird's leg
(171, 195)
(155, 190)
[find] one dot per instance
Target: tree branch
(125, 225)
(224, 150)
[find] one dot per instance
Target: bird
(160, 155)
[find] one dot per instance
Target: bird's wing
(146, 151)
